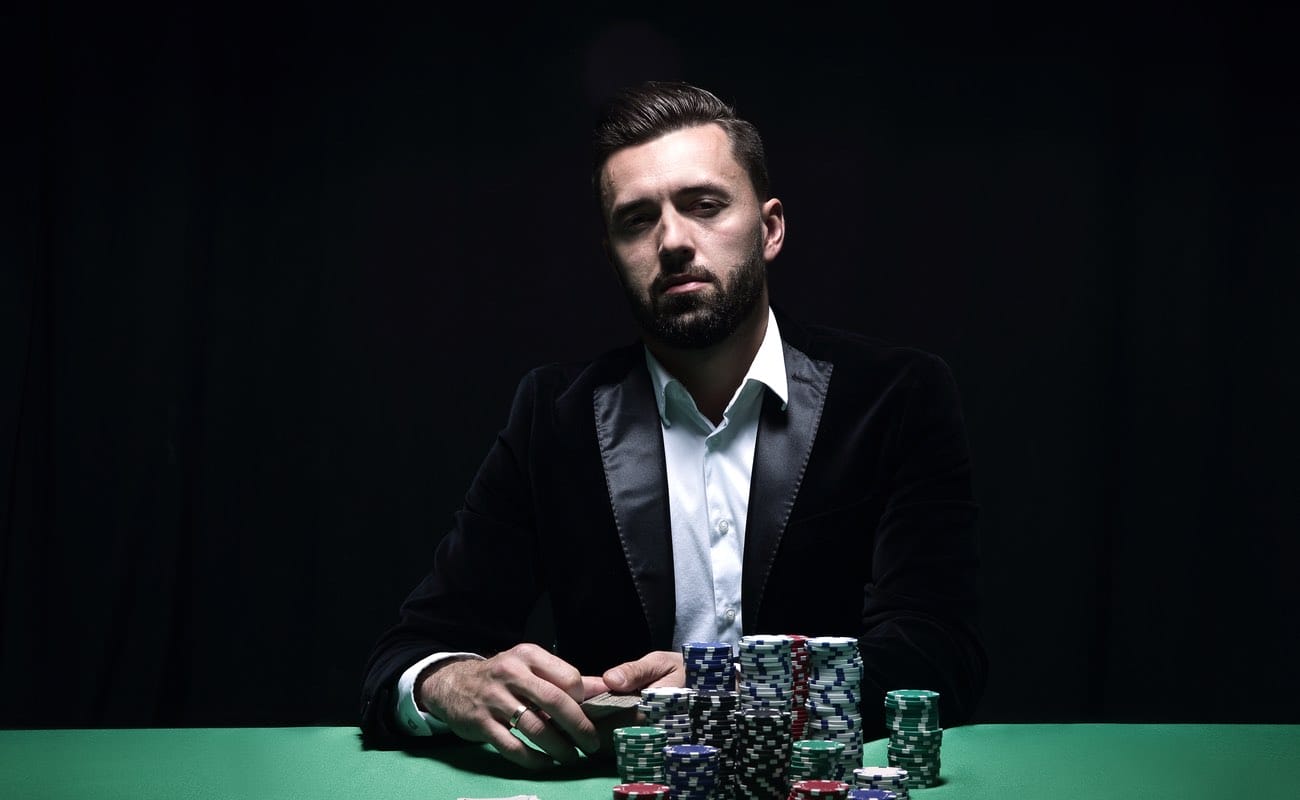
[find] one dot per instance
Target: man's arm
(484, 581)
(921, 611)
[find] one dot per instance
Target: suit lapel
(785, 440)
(632, 452)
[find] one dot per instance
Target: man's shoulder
(854, 351)
(558, 379)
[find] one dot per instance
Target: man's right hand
(478, 698)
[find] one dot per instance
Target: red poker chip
(658, 791)
(809, 789)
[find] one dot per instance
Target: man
(734, 472)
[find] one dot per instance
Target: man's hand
(477, 700)
(660, 668)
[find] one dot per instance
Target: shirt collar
(767, 368)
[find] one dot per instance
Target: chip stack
(766, 672)
(871, 794)
(834, 692)
(639, 753)
(669, 707)
(691, 770)
(915, 736)
(814, 760)
(763, 754)
(805, 790)
(642, 791)
(799, 670)
(715, 722)
(890, 779)
(708, 666)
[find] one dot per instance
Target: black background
(271, 273)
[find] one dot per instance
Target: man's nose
(676, 248)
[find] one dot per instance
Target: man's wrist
(426, 684)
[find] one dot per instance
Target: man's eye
(706, 208)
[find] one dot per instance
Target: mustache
(665, 280)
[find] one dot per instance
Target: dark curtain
(270, 274)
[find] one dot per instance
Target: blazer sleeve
(921, 608)
(485, 574)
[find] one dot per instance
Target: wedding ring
(519, 712)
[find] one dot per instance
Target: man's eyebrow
(694, 190)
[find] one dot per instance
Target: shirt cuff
(410, 717)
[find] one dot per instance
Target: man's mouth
(682, 284)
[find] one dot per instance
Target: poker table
(980, 762)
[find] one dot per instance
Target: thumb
(632, 676)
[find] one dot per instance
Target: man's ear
(773, 228)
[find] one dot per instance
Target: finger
(556, 671)
(592, 686)
(560, 711)
(541, 732)
(513, 749)
(632, 676)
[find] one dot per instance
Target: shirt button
(730, 615)
(724, 526)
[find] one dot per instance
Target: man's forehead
(694, 156)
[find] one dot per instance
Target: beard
(703, 318)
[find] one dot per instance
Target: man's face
(688, 237)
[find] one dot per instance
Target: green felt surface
(980, 762)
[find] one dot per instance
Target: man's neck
(713, 374)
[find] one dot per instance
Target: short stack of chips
(915, 736)
(708, 666)
(715, 722)
(763, 754)
(642, 791)
(889, 779)
(815, 760)
(806, 790)
(834, 691)
(691, 771)
(639, 753)
(669, 708)
(799, 669)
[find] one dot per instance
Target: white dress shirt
(708, 471)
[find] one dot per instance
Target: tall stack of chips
(669, 707)
(715, 722)
(766, 672)
(691, 770)
(763, 754)
(915, 736)
(806, 790)
(708, 666)
(799, 668)
(834, 691)
(639, 753)
(890, 779)
(815, 760)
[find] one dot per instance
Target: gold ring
(519, 712)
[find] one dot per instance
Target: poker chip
(833, 696)
(638, 753)
(654, 791)
(709, 665)
(889, 779)
(801, 790)
(691, 771)
(915, 734)
(815, 759)
(669, 708)
(871, 794)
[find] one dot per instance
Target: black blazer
(861, 523)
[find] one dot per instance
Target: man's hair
(637, 114)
